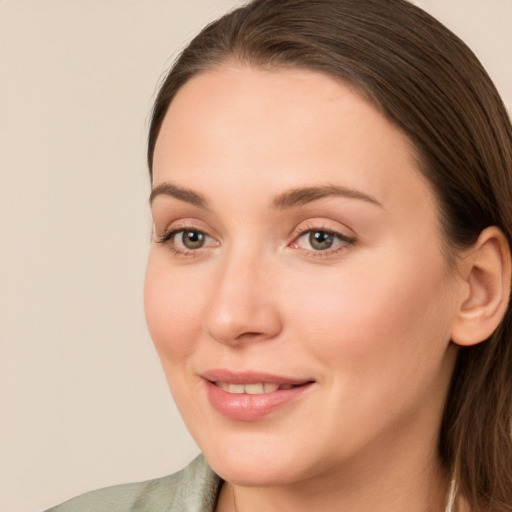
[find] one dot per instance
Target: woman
(329, 280)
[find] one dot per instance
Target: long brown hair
(426, 81)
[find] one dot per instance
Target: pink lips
(249, 407)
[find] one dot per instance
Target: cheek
(380, 338)
(173, 303)
(376, 318)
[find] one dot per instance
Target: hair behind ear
(475, 441)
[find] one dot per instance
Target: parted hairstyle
(427, 82)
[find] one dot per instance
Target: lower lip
(244, 407)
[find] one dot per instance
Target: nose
(242, 308)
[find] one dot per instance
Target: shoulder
(192, 489)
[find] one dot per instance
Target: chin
(256, 460)
(254, 471)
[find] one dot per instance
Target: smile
(259, 388)
(250, 396)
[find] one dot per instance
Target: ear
(486, 271)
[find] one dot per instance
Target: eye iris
(193, 239)
(321, 240)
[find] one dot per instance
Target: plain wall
(83, 401)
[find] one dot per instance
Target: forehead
(289, 128)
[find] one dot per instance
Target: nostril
(250, 334)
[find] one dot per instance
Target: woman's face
(296, 290)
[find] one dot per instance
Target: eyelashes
(184, 241)
(311, 241)
(322, 241)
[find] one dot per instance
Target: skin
(369, 319)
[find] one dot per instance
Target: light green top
(193, 489)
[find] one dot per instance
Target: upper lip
(250, 377)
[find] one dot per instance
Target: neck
(404, 498)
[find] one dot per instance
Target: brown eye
(321, 240)
(192, 239)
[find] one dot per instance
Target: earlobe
(487, 275)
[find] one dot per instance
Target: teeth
(236, 388)
(252, 389)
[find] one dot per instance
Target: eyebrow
(290, 199)
(301, 196)
(182, 194)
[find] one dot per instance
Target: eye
(322, 240)
(186, 240)
(191, 239)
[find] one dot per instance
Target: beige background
(83, 402)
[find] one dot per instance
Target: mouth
(258, 388)
(250, 396)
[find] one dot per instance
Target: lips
(250, 396)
